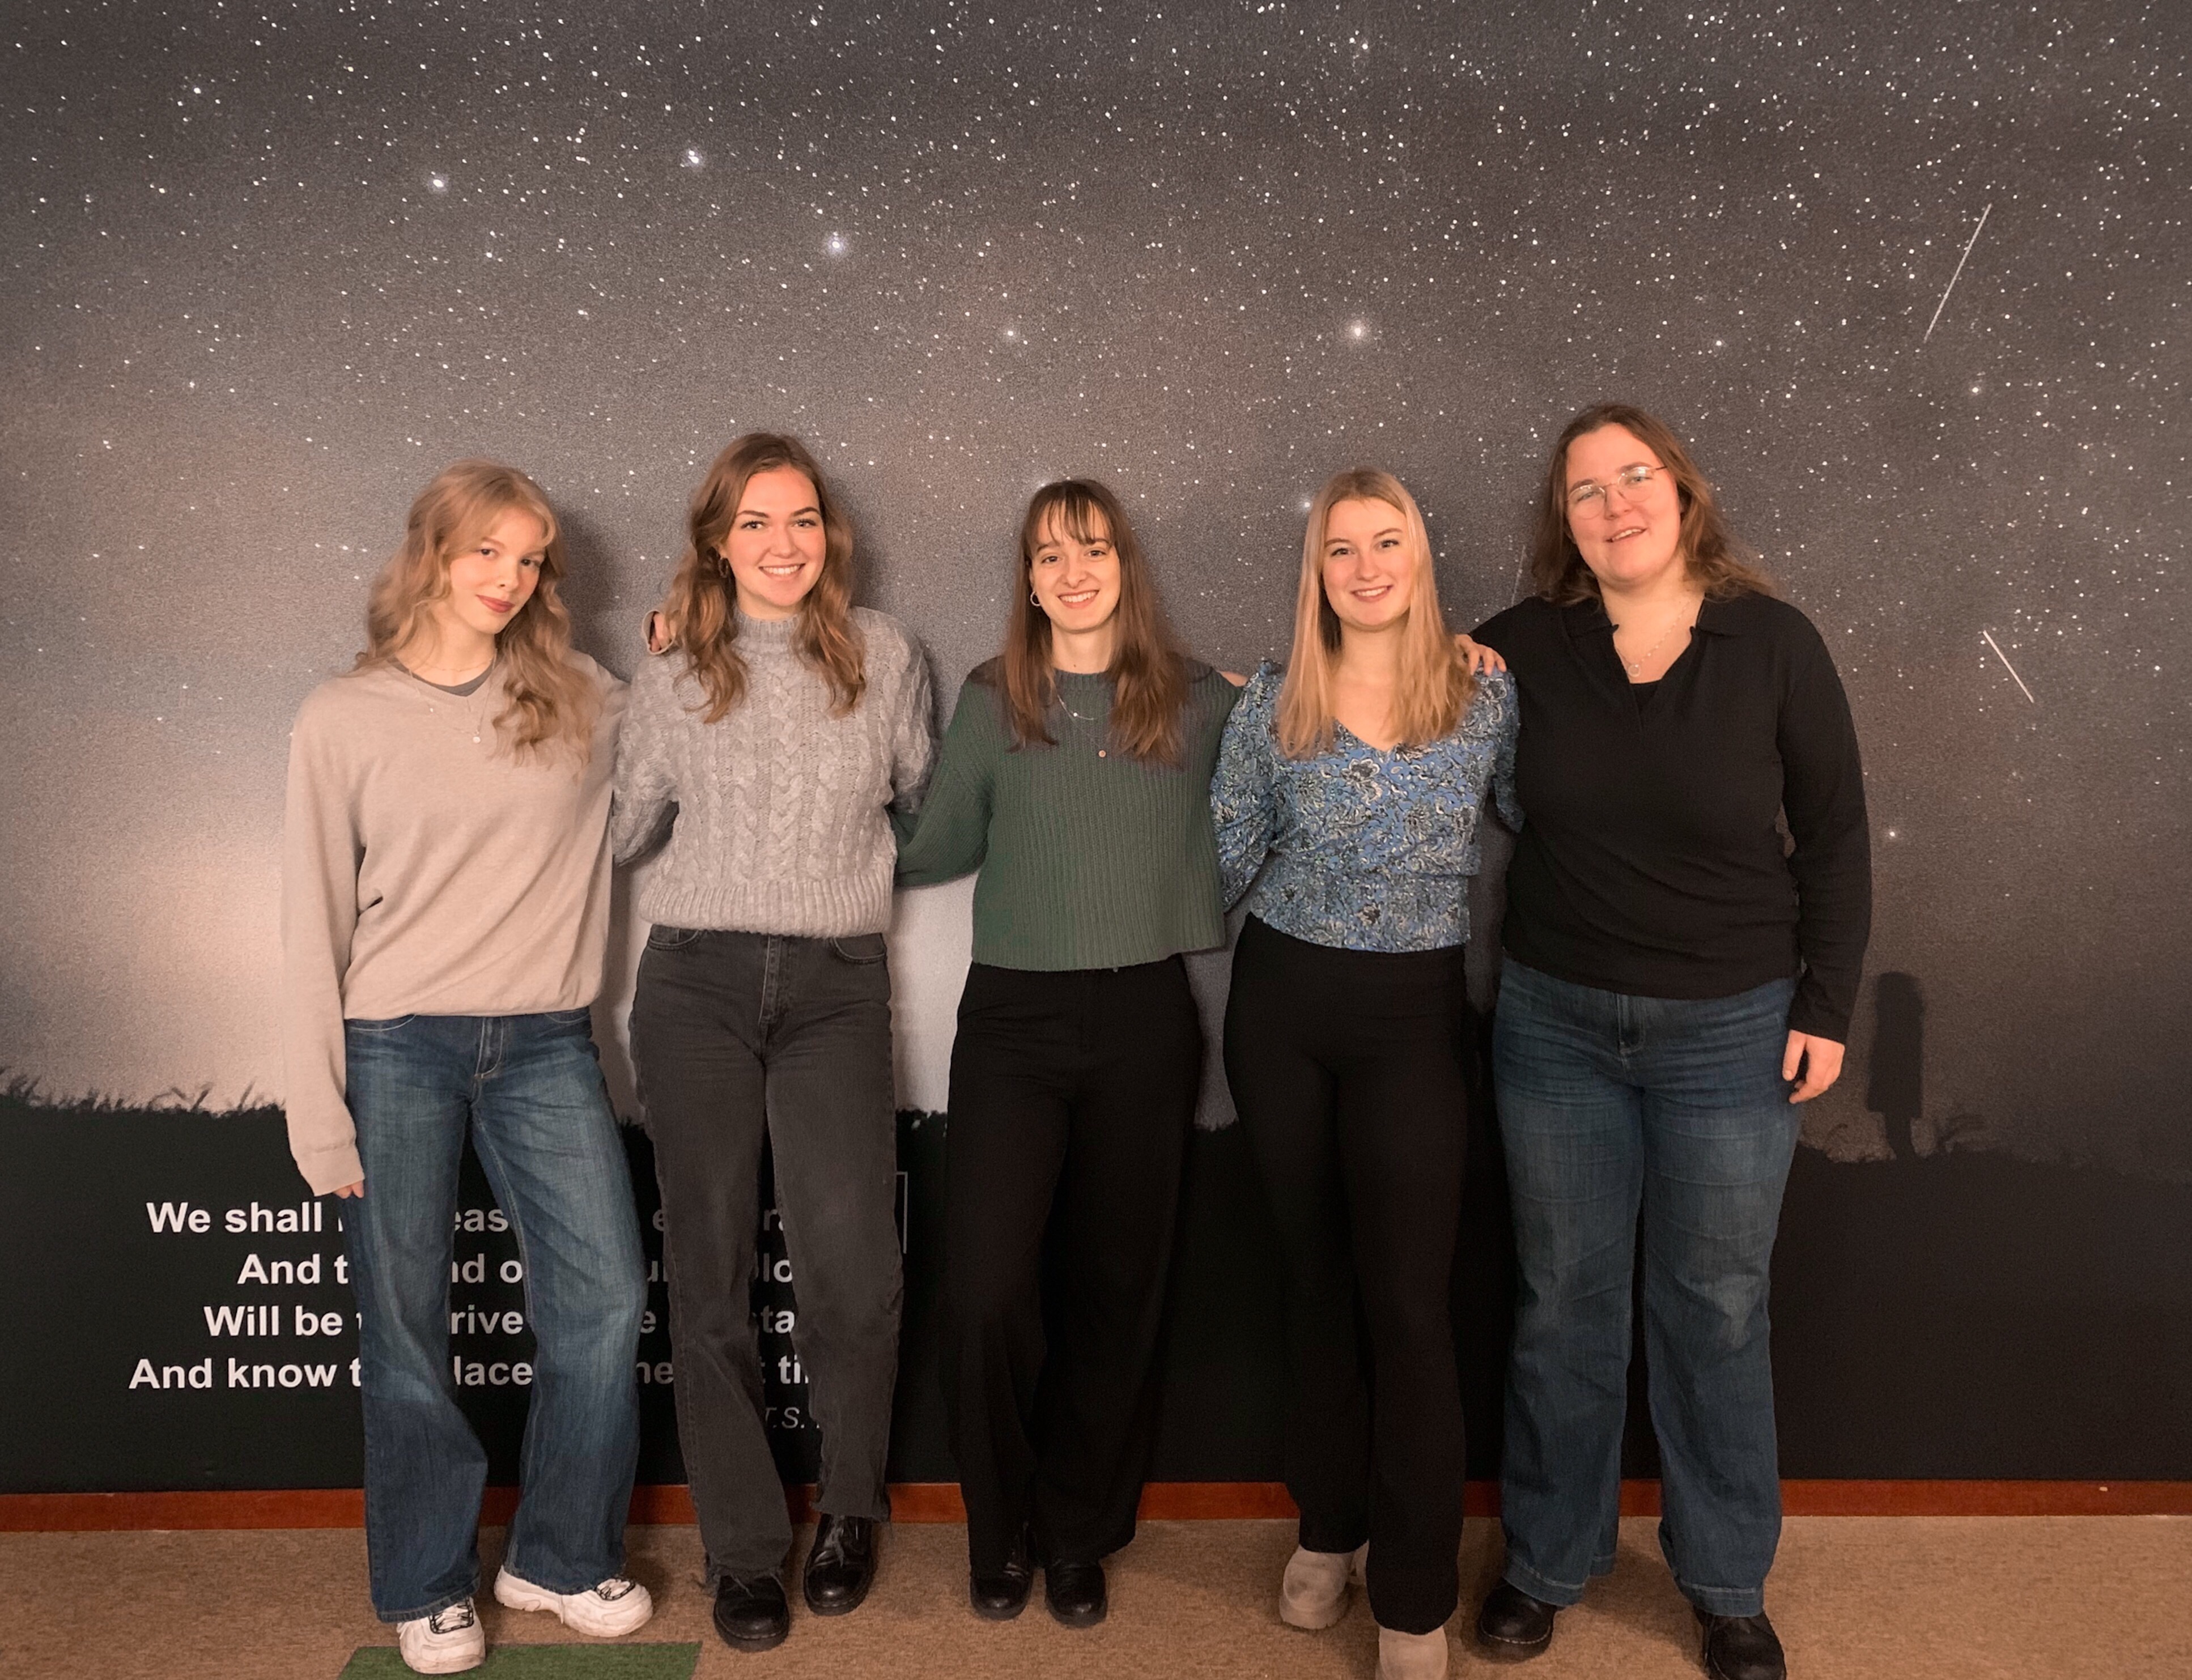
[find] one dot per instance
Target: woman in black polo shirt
(1678, 977)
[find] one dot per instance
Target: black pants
(736, 1036)
(1347, 1068)
(1072, 1095)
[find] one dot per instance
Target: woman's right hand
(658, 639)
(357, 1189)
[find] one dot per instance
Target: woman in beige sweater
(444, 911)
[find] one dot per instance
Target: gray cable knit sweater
(779, 815)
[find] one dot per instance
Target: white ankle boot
(1313, 1591)
(1411, 1656)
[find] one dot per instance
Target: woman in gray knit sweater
(771, 741)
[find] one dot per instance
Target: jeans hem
(1725, 1601)
(433, 1606)
(1559, 1594)
(548, 1583)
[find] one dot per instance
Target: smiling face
(1631, 535)
(776, 543)
(493, 578)
(1369, 573)
(1075, 579)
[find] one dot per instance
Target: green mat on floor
(545, 1662)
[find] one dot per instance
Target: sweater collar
(766, 634)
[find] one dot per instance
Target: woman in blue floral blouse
(1347, 799)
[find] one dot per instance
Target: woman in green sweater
(1075, 777)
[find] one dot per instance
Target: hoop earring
(1034, 599)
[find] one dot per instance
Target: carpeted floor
(1855, 1598)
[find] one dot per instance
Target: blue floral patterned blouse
(1365, 850)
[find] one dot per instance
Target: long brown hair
(1715, 559)
(701, 612)
(550, 703)
(1436, 686)
(1148, 675)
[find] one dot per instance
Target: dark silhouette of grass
(21, 1093)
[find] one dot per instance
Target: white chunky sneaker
(1411, 1656)
(606, 1610)
(1313, 1591)
(449, 1642)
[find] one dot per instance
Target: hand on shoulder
(1481, 658)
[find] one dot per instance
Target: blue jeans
(1611, 1105)
(529, 1088)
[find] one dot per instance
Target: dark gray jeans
(736, 1036)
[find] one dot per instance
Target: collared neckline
(1715, 618)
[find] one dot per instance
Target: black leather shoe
(1741, 1648)
(1003, 1595)
(1075, 1592)
(751, 1613)
(841, 1567)
(1512, 1625)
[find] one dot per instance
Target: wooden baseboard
(939, 1502)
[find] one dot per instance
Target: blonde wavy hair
(551, 705)
(700, 616)
(1435, 685)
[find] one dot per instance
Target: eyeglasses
(1591, 496)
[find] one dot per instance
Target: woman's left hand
(1481, 658)
(1819, 1060)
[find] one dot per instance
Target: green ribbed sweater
(1090, 859)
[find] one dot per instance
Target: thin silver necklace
(1644, 658)
(1066, 707)
(473, 703)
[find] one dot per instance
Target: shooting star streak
(2005, 666)
(1944, 304)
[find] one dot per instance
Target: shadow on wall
(1895, 1077)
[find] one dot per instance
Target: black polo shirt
(1651, 859)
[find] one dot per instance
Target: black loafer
(1741, 1648)
(841, 1567)
(1512, 1625)
(1075, 1592)
(1003, 1594)
(751, 1613)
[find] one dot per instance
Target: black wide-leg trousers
(1072, 1095)
(1347, 1069)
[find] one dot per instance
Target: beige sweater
(425, 872)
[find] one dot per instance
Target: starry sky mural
(1912, 279)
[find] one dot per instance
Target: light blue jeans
(528, 1088)
(1612, 1107)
